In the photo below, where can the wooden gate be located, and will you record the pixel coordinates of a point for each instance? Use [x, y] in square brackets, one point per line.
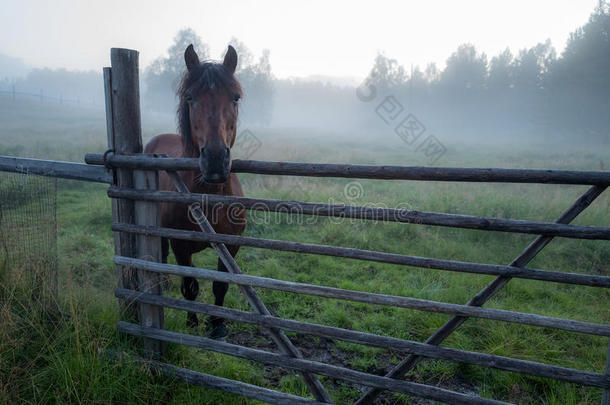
[134, 192]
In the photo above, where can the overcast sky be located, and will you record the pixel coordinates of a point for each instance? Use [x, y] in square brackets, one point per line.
[336, 38]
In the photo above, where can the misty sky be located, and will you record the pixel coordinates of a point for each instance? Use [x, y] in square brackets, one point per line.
[336, 38]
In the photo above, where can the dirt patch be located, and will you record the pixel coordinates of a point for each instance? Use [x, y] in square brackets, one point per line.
[327, 351]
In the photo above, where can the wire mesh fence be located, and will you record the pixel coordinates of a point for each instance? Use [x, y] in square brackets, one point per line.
[28, 236]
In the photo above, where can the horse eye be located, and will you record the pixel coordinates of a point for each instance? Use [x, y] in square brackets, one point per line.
[189, 98]
[236, 98]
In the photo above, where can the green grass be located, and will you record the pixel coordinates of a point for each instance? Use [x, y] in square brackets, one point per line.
[46, 362]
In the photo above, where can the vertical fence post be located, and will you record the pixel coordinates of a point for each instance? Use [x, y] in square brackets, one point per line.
[149, 248]
[121, 83]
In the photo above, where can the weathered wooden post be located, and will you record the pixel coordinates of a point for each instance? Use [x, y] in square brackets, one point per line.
[149, 248]
[122, 91]
[124, 130]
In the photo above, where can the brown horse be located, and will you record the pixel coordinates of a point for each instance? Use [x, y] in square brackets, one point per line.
[207, 113]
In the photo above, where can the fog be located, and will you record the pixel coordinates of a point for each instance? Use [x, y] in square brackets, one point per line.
[537, 93]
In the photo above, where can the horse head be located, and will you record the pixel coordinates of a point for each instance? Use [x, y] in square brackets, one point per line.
[207, 113]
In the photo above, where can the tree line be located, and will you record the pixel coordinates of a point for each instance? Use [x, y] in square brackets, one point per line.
[534, 92]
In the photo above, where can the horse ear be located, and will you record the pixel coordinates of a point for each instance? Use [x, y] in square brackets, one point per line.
[230, 60]
[191, 58]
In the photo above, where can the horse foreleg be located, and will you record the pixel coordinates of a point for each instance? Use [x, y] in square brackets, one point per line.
[220, 289]
[190, 285]
[166, 282]
[190, 290]
[164, 249]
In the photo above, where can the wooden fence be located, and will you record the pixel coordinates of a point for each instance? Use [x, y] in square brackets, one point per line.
[133, 180]
[41, 97]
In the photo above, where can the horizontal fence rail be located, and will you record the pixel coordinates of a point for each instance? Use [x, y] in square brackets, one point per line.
[54, 168]
[218, 383]
[369, 255]
[390, 343]
[357, 377]
[369, 298]
[491, 175]
[369, 213]
[40, 96]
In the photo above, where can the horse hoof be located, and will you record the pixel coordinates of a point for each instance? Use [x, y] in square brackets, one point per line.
[219, 332]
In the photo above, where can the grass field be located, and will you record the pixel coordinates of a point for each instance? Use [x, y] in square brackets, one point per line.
[60, 363]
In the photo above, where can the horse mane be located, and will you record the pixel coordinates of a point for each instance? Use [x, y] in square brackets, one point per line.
[207, 76]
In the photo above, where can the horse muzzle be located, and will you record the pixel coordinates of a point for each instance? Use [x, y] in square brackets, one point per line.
[215, 164]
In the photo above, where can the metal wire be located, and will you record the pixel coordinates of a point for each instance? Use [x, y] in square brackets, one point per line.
[28, 233]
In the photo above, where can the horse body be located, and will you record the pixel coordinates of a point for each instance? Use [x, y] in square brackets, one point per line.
[208, 117]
